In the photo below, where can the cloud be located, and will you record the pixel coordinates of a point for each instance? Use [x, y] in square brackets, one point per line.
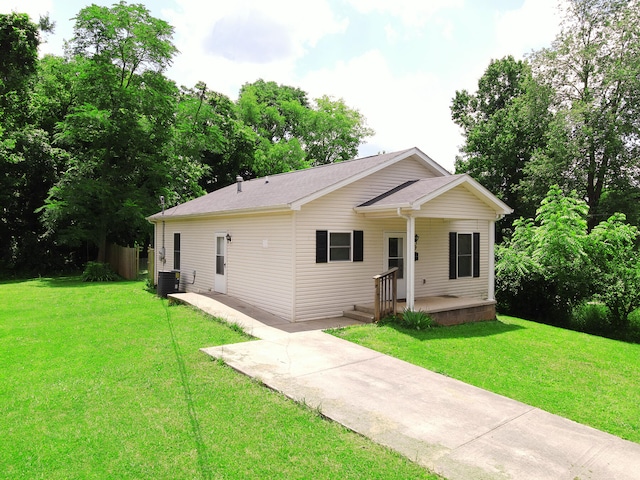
[249, 37]
[34, 8]
[531, 27]
[412, 13]
[229, 43]
[405, 110]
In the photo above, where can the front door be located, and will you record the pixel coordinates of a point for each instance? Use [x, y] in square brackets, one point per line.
[395, 255]
[220, 285]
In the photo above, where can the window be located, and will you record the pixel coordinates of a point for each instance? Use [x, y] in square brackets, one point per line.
[176, 251]
[464, 255]
[339, 246]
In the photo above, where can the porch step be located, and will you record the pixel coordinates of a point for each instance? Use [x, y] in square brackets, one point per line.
[357, 314]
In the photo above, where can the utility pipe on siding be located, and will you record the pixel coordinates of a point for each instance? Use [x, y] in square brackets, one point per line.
[411, 257]
[491, 291]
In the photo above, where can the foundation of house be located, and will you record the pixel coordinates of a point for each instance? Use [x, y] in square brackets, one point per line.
[449, 310]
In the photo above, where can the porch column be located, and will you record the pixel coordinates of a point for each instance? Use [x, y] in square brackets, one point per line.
[411, 261]
[491, 291]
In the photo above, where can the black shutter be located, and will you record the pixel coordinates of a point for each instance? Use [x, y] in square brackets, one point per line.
[322, 237]
[358, 245]
[453, 255]
[476, 254]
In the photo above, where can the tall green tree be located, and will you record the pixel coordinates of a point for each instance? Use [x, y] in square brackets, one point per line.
[209, 131]
[593, 68]
[334, 131]
[117, 130]
[29, 165]
[293, 132]
[504, 122]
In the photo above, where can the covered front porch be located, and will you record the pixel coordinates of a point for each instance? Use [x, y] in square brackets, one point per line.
[446, 267]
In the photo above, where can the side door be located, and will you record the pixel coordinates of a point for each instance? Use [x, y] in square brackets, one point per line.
[220, 282]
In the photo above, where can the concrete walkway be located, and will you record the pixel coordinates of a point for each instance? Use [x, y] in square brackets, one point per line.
[454, 429]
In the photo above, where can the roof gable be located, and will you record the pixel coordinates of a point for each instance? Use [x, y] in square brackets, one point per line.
[413, 195]
[289, 191]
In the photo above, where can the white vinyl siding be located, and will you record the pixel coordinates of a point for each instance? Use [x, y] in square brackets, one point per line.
[457, 203]
[259, 258]
[327, 289]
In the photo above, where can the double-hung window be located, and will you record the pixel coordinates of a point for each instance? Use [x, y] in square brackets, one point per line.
[339, 246]
[176, 251]
[464, 255]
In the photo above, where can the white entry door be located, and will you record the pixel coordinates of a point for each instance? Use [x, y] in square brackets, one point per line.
[220, 285]
[395, 247]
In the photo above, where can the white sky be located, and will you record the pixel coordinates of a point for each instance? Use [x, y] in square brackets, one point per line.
[399, 62]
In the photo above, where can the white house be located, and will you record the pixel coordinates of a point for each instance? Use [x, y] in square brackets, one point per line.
[306, 244]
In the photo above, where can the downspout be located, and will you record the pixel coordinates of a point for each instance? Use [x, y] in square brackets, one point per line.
[491, 291]
[411, 258]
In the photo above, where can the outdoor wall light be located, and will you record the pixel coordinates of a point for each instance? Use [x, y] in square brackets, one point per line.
[228, 238]
[417, 237]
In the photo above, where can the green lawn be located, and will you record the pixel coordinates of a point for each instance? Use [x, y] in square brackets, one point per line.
[106, 381]
[589, 379]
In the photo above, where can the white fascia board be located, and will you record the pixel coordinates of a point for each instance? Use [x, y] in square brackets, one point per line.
[226, 213]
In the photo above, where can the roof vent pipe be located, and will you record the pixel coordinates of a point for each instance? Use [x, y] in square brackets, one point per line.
[239, 180]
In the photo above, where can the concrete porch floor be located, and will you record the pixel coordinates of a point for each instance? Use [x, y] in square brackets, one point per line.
[443, 303]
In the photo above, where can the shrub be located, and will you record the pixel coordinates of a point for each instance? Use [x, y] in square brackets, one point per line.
[416, 319]
[590, 317]
[98, 272]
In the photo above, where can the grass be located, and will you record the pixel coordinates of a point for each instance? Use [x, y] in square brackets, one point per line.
[591, 380]
[106, 381]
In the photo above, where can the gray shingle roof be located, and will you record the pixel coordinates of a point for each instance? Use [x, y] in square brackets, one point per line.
[283, 190]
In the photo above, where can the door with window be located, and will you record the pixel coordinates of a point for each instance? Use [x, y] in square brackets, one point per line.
[220, 282]
[395, 256]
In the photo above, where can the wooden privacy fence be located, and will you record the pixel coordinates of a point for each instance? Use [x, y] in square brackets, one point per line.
[125, 261]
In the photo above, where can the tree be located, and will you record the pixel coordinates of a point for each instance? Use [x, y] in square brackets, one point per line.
[613, 251]
[334, 131]
[503, 123]
[117, 129]
[543, 271]
[29, 165]
[210, 132]
[293, 133]
[593, 68]
[550, 266]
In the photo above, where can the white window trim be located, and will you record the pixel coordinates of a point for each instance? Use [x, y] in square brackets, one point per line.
[331, 232]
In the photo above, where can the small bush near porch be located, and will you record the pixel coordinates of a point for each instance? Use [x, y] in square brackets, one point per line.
[591, 380]
[103, 380]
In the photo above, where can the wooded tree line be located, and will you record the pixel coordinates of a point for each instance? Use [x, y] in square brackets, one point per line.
[569, 115]
[91, 139]
[557, 137]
